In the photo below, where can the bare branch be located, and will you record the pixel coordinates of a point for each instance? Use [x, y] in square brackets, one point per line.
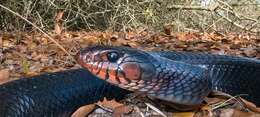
[35, 26]
[236, 24]
[189, 7]
[224, 7]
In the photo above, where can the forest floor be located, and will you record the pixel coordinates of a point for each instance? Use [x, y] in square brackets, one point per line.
[27, 54]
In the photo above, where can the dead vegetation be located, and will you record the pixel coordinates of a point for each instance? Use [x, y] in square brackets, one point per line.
[34, 54]
[212, 26]
[117, 15]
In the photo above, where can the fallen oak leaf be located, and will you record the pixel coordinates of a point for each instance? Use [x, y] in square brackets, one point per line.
[251, 106]
[84, 111]
[118, 108]
[112, 104]
[4, 75]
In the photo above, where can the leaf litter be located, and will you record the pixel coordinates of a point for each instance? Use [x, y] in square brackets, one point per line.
[30, 53]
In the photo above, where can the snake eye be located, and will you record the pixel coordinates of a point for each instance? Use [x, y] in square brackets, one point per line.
[112, 56]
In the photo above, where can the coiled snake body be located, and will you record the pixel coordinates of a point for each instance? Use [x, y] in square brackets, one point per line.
[54, 94]
[181, 78]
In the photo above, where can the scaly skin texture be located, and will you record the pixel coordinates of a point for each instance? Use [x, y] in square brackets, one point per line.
[233, 75]
[178, 83]
[182, 78]
[54, 94]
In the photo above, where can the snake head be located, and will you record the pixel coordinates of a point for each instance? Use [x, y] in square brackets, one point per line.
[126, 67]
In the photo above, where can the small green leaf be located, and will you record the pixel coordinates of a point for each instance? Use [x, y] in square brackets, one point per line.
[25, 66]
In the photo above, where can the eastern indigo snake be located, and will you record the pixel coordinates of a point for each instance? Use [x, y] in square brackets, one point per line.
[179, 77]
[182, 78]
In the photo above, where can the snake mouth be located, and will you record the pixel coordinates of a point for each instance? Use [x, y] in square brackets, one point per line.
[128, 69]
[126, 75]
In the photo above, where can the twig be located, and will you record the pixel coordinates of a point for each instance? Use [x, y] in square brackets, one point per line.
[236, 24]
[140, 112]
[35, 26]
[229, 9]
[226, 102]
[224, 3]
[189, 7]
[155, 109]
[105, 108]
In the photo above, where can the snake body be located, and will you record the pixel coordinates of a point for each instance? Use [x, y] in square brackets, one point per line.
[233, 75]
[181, 78]
[54, 94]
[178, 77]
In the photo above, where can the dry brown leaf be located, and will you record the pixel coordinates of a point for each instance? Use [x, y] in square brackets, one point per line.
[7, 43]
[211, 101]
[113, 38]
[181, 36]
[184, 114]
[44, 41]
[90, 39]
[84, 111]
[167, 29]
[4, 75]
[130, 35]
[143, 33]
[1, 42]
[119, 42]
[122, 110]
[112, 104]
[251, 106]
[235, 113]
[1, 49]
[30, 74]
[180, 44]
[250, 52]
[46, 57]
[58, 22]
[214, 36]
